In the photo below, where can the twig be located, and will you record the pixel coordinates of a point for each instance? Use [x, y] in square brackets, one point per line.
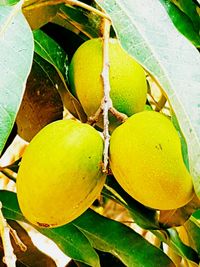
[107, 104]
[92, 120]
[118, 115]
[161, 103]
[9, 256]
[70, 2]
[17, 240]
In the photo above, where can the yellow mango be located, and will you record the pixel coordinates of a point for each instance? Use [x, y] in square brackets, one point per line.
[127, 79]
[60, 173]
[146, 160]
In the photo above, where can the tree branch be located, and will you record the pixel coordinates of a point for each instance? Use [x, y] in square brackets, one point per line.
[107, 102]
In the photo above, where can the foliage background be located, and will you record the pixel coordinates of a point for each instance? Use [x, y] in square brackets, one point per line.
[37, 40]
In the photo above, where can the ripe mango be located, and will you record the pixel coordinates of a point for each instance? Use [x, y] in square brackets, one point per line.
[146, 160]
[127, 79]
[60, 173]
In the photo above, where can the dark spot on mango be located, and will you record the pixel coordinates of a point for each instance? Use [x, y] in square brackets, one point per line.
[45, 225]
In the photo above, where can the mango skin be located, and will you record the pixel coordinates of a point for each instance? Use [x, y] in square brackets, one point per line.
[146, 160]
[60, 173]
[127, 79]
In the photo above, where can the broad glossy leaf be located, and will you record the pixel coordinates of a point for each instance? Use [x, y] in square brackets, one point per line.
[183, 250]
[10, 205]
[189, 7]
[113, 237]
[41, 103]
[182, 22]
[192, 227]
[72, 242]
[149, 36]
[69, 239]
[16, 54]
[48, 49]
[39, 16]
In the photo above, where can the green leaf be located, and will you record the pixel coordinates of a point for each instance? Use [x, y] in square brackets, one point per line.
[48, 49]
[183, 142]
[10, 205]
[68, 238]
[72, 242]
[16, 56]
[39, 16]
[190, 8]
[8, 2]
[113, 237]
[182, 22]
[183, 250]
[192, 227]
[155, 43]
[143, 216]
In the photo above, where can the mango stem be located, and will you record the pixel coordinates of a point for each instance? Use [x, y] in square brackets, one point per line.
[107, 102]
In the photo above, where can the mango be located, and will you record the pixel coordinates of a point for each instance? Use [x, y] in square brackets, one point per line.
[146, 160]
[127, 79]
[60, 173]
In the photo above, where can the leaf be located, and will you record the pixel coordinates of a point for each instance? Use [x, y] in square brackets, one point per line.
[32, 257]
[41, 103]
[192, 227]
[48, 49]
[121, 241]
[73, 243]
[190, 8]
[182, 22]
[85, 22]
[16, 44]
[68, 238]
[8, 2]
[185, 251]
[143, 216]
[149, 36]
[63, 22]
[39, 16]
[183, 141]
[10, 205]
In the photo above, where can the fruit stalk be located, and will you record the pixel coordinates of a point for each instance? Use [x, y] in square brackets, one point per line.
[107, 102]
